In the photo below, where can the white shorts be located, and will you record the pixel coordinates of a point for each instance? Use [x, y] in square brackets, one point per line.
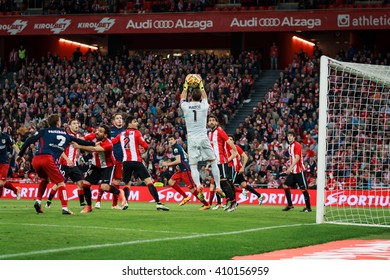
[200, 149]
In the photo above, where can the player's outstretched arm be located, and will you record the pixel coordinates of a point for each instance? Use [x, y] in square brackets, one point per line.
[183, 95]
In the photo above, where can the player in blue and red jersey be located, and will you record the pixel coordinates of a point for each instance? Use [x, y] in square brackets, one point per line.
[52, 142]
[6, 145]
[183, 173]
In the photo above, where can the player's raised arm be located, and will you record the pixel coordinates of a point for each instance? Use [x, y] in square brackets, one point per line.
[201, 87]
[183, 96]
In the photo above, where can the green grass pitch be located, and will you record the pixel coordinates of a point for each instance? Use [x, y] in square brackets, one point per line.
[142, 233]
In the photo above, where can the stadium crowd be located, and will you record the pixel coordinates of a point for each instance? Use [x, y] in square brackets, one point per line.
[17, 7]
[93, 87]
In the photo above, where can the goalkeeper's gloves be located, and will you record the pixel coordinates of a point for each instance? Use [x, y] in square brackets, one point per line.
[185, 85]
[201, 87]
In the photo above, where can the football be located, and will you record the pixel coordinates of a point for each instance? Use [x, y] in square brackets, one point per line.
[193, 80]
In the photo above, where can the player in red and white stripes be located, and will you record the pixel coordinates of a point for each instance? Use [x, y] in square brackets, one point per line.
[218, 138]
[295, 174]
[102, 167]
[130, 140]
[238, 169]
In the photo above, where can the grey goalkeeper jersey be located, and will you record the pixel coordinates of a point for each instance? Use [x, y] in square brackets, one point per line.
[195, 114]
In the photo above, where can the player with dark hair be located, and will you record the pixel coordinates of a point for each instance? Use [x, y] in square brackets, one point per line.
[69, 165]
[183, 173]
[52, 142]
[130, 140]
[219, 140]
[6, 144]
[238, 168]
[295, 174]
[116, 128]
[102, 167]
[199, 146]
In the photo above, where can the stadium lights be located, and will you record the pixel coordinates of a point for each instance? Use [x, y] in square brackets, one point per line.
[303, 40]
[77, 43]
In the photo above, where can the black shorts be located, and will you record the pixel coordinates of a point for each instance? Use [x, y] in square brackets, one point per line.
[74, 173]
[296, 179]
[136, 167]
[238, 178]
[96, 175]
[225, 171]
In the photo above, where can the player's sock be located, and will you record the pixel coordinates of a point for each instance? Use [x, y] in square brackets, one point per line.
[307, 199]
[1, 191]
[227, 189]
[195, 174]
[216, 174]
[288, 196]
[42, 188]
[177, 188]
[212, 194]
[87, 194]
[80, 194]
[153, 192]
[100, 194]
[252, 190]
[9, 186]
[63, 196]
[51, 195]
[126, 190]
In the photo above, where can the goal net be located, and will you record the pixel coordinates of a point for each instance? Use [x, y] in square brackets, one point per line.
[353, 144]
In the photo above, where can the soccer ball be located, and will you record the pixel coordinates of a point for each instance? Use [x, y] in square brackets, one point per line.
[193, 80]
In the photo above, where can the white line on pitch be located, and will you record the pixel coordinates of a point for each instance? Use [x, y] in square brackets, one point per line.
[92, 227]
[97, 246]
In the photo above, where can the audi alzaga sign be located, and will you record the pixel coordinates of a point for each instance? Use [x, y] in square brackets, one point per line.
[256, 21]
[309, 23]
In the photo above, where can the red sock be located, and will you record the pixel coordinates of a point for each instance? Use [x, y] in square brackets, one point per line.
[1, 191]
[80, 192]
[115, 197]
[52, 192]
[9, 186]
[177, 188]
[99, 197]
[63, 196]
[42, 188]
[212, 193]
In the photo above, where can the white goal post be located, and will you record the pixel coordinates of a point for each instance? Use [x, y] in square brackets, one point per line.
[353, 179]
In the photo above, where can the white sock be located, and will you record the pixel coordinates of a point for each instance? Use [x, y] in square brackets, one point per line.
[216, 174]
[195, 174]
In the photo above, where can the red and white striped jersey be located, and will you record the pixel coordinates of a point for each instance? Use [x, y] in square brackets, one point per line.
[296, 149]
[218, 138]
[102, 159]
[72, 153]
[130, 140]
[236, 162]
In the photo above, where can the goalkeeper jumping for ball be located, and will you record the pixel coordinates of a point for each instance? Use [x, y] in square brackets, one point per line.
[199, 146]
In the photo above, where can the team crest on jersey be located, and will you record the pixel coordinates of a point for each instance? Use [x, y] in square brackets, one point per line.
[3, 141]
[176, 150]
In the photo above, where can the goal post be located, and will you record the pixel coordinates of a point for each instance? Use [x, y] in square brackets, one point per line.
[353, 179]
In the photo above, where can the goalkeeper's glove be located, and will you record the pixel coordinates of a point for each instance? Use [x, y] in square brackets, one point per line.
[201, 87]
[185, 85]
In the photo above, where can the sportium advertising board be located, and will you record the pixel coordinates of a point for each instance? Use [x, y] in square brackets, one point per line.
[351, 198]
[257, 21]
